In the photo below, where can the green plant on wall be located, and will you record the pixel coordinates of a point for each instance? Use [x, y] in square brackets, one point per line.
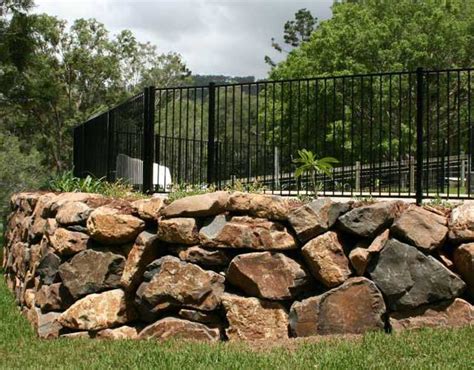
[308, 162]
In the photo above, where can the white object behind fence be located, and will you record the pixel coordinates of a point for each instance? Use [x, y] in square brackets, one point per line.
[131, 170]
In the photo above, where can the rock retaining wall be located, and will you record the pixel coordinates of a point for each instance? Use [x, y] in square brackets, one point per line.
[236, 266]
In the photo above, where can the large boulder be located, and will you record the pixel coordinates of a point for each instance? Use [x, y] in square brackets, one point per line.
[92, 271]
[461, 223]
[73, 213]
[178, 231]
[148, 209]
[246, 232]
[109, 226]
[361, 255]
[267, 275]
[367, 221]
[173, 283]
[316, 218]
[464, 264]
[203, 256]
[54, 297]
[144, 251]
[355, 307]
[47, 325]
[171, 327]
[209, 204]
[254, 319]
[409, 279]
[442, 315]
[66, 243]
[326, 259]
[272, 207]
[98, 311]
[423, 229]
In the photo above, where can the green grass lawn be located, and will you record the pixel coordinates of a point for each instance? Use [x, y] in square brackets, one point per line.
[423, 349]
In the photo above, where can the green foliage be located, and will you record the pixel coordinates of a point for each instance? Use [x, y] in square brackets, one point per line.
[67, 182]
[20, 169]
[374, 36]
[308, 163]
[66, 74]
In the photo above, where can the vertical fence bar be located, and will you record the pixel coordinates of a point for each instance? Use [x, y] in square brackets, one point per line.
[110, 146]
[211, 157]
[419, 135]
[148, 138]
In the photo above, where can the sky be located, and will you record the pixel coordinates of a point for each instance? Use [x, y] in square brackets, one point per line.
[229, 37]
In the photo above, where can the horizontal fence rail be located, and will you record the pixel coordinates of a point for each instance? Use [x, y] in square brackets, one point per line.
[395, 134]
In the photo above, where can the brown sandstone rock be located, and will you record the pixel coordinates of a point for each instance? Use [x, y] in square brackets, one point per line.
[148, 209]
[41, 209]
[267, 275]
[108, 226]
[421, 228]
[54, 297]
[91, 271]
[246, 232]
[78, 335]
[67, 243]
[203, 257]
[197, 205]
[326, 259]
[172, 282]
[361, 255]
[254, 319]
[445, 315]
[355, 307]
[171, 327]
[73, 213]
[29, 297]
[53, 206]
[461, 223]
[98, 311]
[144, 251]
[178, 231]
[316, 217]
[272, 207]
[50, 227]
[122, 332]
[368, 221]
[464, 264]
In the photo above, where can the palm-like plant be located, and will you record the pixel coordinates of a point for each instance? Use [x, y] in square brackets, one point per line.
[309, 163]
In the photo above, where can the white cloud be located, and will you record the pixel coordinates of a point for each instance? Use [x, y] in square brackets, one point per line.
[214, 37]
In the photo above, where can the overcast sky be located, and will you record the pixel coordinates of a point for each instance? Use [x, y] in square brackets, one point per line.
[214, 37]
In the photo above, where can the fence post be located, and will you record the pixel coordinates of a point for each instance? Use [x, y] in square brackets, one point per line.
[148, 138]
[110, 146]
[419, 135]
[357, 176]
[211, 155]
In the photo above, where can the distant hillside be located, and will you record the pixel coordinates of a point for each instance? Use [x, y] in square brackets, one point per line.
[201, 80]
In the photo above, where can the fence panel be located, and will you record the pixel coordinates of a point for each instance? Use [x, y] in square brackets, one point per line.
[250, 133]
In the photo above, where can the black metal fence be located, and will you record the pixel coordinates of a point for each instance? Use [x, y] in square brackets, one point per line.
[397, 134]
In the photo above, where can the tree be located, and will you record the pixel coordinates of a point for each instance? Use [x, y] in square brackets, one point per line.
[374, 36]
[295, 32]
[72, 74]
[20, 169]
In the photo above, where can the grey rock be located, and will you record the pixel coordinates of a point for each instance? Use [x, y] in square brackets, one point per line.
[48, 268]
[368, 221]
[316, 217]
[409, 279]
[91, 271]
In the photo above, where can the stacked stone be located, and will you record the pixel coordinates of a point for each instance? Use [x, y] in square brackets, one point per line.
[236, 266]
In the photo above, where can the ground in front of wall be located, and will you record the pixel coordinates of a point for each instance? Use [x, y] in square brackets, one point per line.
[442, 348]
